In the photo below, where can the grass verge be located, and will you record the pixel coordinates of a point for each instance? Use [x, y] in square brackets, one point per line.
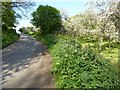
[8, 37]
[52, 42]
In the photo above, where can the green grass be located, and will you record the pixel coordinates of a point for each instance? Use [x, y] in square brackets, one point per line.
[9, 37]
[71, 64]
[108, 53]
[111, 53]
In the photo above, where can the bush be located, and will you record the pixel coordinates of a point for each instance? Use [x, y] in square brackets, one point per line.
[75, 66]
[48, 39]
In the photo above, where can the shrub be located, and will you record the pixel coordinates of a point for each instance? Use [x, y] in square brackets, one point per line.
[48, 39]
[75, 66]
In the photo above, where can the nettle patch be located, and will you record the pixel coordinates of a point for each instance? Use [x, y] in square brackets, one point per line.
[80, 67]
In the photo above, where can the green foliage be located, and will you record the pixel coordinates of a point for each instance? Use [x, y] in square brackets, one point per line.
[22, 30]
[8, 22]
[47, 18]
[8, 14]
[48, 39]
[12, 10]
[9, 37]
[26, 30]
[75, 66]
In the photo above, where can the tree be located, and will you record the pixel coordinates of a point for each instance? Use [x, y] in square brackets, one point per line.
[47, 18]
[108, 19]
[23, 8]
[8, 16]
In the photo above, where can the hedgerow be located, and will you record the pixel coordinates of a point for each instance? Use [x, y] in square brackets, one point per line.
[75, 66]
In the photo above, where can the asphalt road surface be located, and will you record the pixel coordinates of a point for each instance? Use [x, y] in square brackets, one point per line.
[26, 64]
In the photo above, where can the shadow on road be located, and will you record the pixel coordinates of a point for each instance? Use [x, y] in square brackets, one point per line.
[20, 56]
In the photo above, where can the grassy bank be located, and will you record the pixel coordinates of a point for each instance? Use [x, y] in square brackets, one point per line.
[68, 67]
[9, 37]
[108, 53]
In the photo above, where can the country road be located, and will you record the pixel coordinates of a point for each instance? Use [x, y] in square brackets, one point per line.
[26, 64]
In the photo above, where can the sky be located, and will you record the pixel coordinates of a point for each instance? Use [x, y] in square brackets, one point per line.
[72, 7]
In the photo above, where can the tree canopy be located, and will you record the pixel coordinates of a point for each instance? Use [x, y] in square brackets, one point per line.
[8, 16]
[47, 18]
